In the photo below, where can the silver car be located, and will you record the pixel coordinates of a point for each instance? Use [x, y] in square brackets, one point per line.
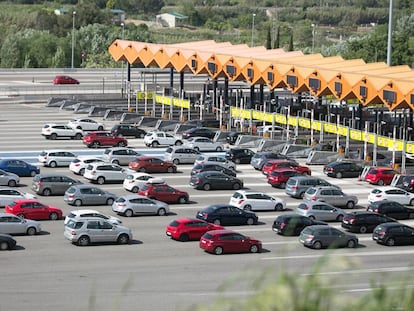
[8, 195]
[320, 211]
[181, 154]
[94, 230]
[9, 179]
[52, 184]
[101, 172]
[11, 224]
[331, 195]
[54, 158]
[214, 159]
[120, 155]
[88, 195]
[90, 213]
[134, 204]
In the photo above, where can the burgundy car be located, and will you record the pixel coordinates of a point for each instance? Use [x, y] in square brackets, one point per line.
[150, 164]
[272, 165]
[279, 177]
[163, 192]
[186, 229]
[97, 139]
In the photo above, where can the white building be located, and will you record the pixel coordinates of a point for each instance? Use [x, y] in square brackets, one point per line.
[170, 20]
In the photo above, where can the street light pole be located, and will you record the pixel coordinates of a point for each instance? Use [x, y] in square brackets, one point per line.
[73, 38]
[253, 16]
[122, 77]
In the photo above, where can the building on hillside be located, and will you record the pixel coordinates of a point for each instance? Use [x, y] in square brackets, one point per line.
[61, 11]
[170, 20]
[118, 16]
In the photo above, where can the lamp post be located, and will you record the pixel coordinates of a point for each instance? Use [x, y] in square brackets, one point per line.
[253, 16]
[313, 37]
[73, 37]
[122, 76]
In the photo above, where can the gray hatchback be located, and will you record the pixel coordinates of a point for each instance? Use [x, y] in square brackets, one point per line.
[331, 195]
[321, 236]
[84, 194]
[52, 184]
[296, 186]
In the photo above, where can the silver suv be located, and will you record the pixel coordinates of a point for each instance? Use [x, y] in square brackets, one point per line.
[54, 131]
[95, 230]
[52, 184]
[296, 186]
[331, 195]
[155, 139]
[120, 155]
[181, 154]
[54, 158]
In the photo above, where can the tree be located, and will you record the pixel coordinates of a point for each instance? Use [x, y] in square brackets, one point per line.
[276, 44]
[268, 39]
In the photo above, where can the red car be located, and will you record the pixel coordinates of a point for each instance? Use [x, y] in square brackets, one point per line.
[33, 209]
[152, 165]
[187, 229]
[272, 165]
[280, 176]
[163, 192]
[103, 138]
[380, 175]
[65, 80]
[228, 241]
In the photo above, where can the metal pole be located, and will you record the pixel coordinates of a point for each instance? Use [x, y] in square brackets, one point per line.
[73, 39]
[389, 45]
[394, 137]
[311, 124]
[366, 140]
[374, 156]
[122, 76]
[287, 124]
[338, 120]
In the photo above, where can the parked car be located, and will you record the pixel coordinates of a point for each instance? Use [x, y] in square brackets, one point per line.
[228, 241]
[408, 183]
[79, 164]
[52, 184]
[391, 209]
[215, 159]
[33, 209]
[232, 136]
[101, 172]
[296, 186]
[80, 195]
[19, 167]
[134, 204]
[321, 236]
[198, 168]
[164, 193]
[120, 155]
[7, 242]
[342, 169]
[134, 181]
[320, 211]
[9, 179]
[393, 233]
[181, 154]
[54, 158]
[198, 132]
[54, 131]
[86, 124]
[102, 138]
[239, 155]
[331, 195]
[293, 224]
[380, 175]
[275, 130]
[203, 144]
[189, 229]
[272, 165]
[11, 224]
[252, 200]
[62, 79]
[152, 164]
[363, 222]
[392, 194]
[260, 158]
[128, 130]
[215, 180]
[159, 138]
[225, 214]
[89, 213]
[8, 195]
[279, 177]
[92, 230]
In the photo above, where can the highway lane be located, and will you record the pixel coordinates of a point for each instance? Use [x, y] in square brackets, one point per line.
[154, 271]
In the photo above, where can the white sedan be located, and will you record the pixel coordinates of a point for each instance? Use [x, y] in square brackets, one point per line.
[392, 194]
[134, 181]
[203, 144]
[86, 124]
[214, 159]
[79, 164]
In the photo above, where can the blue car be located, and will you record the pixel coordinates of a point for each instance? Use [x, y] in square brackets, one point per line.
[19, 167]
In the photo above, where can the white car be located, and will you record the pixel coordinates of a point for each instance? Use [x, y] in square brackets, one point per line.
[203, 144]
[155, 139]
[214, 159]
[55, 131]
[8, 195]
[86, 124]
[79, 164]
[54, 158]
[392, 194]
[255, 200]
[134, 181]
[101, 172]
[89, 213]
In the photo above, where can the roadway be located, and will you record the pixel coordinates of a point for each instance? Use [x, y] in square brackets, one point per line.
[154, 272]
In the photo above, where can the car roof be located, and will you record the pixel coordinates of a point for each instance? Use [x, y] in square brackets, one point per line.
[385, 188]
[221, 231]
[86, 186]
[84, 211]
[132, 196]
[250, 191]
[53, 175]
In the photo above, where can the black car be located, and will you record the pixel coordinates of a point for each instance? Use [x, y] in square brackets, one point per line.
[232, 136]
[260, 158]
[391, 209]
[128, 130]
[215, 180]
[198, 132]
[408, 183]
[342, 169]
[239, 155]
[7, 242]
[363, 222]
[198, 168]
[293, 224]
[393, 233]
[224, 214]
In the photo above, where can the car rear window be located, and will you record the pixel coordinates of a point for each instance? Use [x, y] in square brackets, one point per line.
[373, 171]
[43, 153]
[208, 236]
[120, 200]
[311, 191]
[71, 190]
[144, 187]
[169, 150]
[174, 223]
[237, 195]
[303, 206]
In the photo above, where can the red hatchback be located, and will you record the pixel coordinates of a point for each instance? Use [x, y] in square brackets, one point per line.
[33, 209]
[65, 80]
[227, 241]
[103, 138]
[150, 164]
[163, 192]
[279, 177]
[187, 229]
[272, 165]
[380, 175]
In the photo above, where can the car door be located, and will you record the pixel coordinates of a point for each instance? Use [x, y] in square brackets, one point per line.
[396, 211]
[337, 197]
[114, 172]
[8, 225]
[399, 195]
[226, 215]
[41, 210]
[107, 231]
[63, 183]
[337, 237]
[407, 236]
[318, 212]
[8, 195]
[94, 231]
[237, 243]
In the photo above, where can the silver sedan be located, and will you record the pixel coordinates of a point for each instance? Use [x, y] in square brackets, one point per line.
[11, 224]
[134, 204]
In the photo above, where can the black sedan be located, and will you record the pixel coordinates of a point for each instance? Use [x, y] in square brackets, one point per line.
[198, 168]
[128, 130]
[215, 180]
[293, 224]
[391, 209]
[393, 233]
[7, 242]
[198, 132]
[342, 169]
[363, 222]
[224, 214]
[239, 155]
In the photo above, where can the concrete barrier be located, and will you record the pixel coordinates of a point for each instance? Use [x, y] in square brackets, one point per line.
[323, 157]
[163, 124]
[82, 107]
[270, 144]
[296, 151]
[147, 121]
[220, 136]
[68, 104]
[111, 114]
[55, 101]
[179, 128]
[97, 111]
[128, 117]
[248, 140]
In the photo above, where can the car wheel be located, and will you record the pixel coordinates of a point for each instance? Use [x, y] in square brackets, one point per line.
[110, 201]
[219, 149]
[4, 246]
[282, 185]
[95, 144]
[254, 249]
[279, 207]
[236, 186]
[176, 161]
[100, 128]
[53, 216]
[363, 229]
[155, 144]
[250, 221]
[217, 222]
[121, 144]
[178, 143]
[339, 217]
[311, 217]
[83, 241]
[390, 242]
[135, 189]
[78, 136]
[100, 180]
[53, 164]
[412, 202]
[77, 202]
[53, 136]
[170, 169]
[115, 162]
[12, 183]
[31, 231]
[128, 213]
[317, 245]
[207, 187]
[237, 161]
[143, 169]
[380, 182]
[123, 239]
[81, 171]
[184, 237]
[162, 212]
[247, 207]
[338, 175]
[350, 204]
[351, 244]
[301, 195]
[218, 250]
[182, 200]
[141, 135]
[46, 192]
